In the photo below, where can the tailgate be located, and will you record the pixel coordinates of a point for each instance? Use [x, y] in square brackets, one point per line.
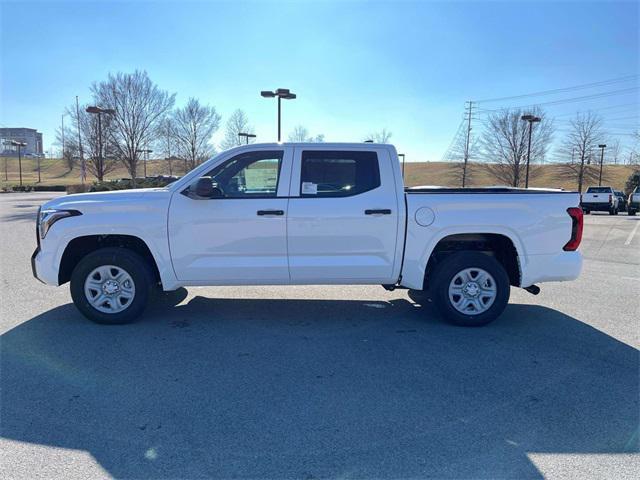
[595, 197]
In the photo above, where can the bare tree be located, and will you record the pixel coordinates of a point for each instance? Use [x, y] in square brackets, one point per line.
[238, 123]
[139, 106]
[195, 125]
[614, 150]
[166, 140]
[462, 171]
[382, 136]
[71, 151]
[301, 134]
[584, 135]
[505, 140]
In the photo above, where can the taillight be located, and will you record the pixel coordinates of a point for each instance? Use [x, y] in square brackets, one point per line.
[610, 198]
[577, 222]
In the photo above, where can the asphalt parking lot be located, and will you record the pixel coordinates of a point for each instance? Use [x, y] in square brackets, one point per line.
[316, 382]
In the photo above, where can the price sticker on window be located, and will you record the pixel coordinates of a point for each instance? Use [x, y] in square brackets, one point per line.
[309, 188]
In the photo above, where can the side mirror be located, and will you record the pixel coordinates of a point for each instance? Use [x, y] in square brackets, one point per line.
[204, 187]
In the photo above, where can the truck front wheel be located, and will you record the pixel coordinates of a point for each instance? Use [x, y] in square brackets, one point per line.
[111, 285]
[470, 288]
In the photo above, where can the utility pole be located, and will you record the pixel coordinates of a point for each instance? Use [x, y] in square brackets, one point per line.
[468, 111]
[83, 172]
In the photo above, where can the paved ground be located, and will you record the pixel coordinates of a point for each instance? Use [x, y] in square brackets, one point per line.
[313, 382]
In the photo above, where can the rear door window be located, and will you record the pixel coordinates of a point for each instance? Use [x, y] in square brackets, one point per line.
[338, 173]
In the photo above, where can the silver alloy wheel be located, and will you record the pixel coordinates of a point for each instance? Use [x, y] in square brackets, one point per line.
[472, 291]
[109, 289]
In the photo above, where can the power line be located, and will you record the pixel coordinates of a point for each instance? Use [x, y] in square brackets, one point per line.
[560, 90]
[623, 91]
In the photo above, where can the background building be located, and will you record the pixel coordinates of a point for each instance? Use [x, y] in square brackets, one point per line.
[30, 136]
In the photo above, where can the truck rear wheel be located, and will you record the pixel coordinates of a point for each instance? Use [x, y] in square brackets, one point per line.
[470, 288]
[111, 286]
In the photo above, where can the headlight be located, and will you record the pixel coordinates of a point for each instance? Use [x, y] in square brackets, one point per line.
[49, 216]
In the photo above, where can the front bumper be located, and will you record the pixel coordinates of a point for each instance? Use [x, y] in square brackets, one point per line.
[33, 264]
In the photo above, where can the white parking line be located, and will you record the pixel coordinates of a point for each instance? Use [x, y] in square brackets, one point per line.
[632, 233]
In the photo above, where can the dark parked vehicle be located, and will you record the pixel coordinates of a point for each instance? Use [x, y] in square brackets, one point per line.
[622, 201]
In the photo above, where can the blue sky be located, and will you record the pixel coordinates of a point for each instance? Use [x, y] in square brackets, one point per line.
[356, 66]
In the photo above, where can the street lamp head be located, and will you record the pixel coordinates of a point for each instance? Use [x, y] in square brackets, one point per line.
[248, 135]
[288, 96]
[282, 91]
[18, 144]
[530, 118]
[602, 145]
[94, 109]
[267, 93]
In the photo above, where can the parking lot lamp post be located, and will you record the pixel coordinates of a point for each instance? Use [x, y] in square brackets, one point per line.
[99, 111]
[19, 145]
[247, 136]
[280, 93]
[531, 119]
[145, 157]
[602, 146]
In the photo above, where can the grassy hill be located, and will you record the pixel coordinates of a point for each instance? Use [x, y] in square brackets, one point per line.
[55, 172]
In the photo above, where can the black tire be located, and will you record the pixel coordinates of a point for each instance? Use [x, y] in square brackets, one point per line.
[137, 268]
[612, 211]
[587, 212]
[631, 213]
[444, 274]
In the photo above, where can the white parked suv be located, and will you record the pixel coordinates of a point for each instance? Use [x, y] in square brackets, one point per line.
[318, 213]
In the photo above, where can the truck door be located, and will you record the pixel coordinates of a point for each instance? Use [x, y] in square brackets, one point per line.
[342, 222]
[239, 237]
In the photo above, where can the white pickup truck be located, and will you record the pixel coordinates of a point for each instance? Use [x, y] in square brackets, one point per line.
[600, 199]
[318, 213]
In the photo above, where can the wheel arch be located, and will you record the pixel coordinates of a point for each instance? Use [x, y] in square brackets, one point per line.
[79, 247]
[501, 246]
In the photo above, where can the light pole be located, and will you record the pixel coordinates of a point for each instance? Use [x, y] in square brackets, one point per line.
[247, 136]
[280, 93]
[99, 111]
[602, 146]
[19, 145]
[531, 119]
[146, 152]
